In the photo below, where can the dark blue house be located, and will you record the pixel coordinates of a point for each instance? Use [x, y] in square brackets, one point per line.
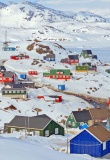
[95, 141]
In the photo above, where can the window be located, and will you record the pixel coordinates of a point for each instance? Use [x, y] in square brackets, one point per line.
[18, 91]
[56, 130]
[53, 76]
[63, 76]
[47, 133]
[104, 145]
[10, 91]
[69, 122]
[22, 91]
[71, 116]
[73, 123]
[0, 78]
[6, 91]
[14, 91]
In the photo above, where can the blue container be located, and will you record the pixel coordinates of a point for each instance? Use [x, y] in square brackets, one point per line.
[61, 87]
[23, 76]
[44, 58]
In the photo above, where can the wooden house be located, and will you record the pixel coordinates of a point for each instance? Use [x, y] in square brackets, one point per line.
[81, 69]
[86, 54]
[49, 57]
[63, 74]
[8, 76]
[9, 48]
[99, 114]
[32, 72]
[78, 118]
[19, 57]
[14, 91]
[73, 59]
[26, 83]
[92, 69]
[94, 141]
[40, 125]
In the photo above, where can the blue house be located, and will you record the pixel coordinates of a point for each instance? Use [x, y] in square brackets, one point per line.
[49, 57]
[95, 141]
[8, 48]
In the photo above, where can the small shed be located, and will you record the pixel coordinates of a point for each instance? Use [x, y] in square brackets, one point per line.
[61, 87]
[95, 141]
[23, 76]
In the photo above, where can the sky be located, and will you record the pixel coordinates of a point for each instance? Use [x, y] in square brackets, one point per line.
[72, 5]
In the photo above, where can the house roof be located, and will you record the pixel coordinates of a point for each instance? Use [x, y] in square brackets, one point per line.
[2, 68]
[99, 113]
[38, 122]
[87, 63]
[99, 132]
[18, 85]
[73, 57]
[82, 116]
[87, 52]
[50, 56]
[8, 74]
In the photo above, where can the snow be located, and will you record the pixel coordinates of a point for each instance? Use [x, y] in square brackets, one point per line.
[74, 31]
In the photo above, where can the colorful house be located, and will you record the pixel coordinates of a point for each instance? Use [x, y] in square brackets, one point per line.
[40, 125]
[99, 114]
[9, 49]
[81, 69]
[8, 76]
[71, 59]
[49, 57]
[14, 91]
[86, 54]
[78, 118]
[19, 57]
[63, 74]
[32, 72]
[94, 141]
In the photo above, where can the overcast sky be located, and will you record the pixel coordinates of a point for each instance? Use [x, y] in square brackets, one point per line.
[72, 5]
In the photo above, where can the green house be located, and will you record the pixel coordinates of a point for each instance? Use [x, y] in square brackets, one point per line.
[108, 71]
[40, 125]
[77, 118]
[86, 54]
[81, 68]
[58, 74]
[46, 74]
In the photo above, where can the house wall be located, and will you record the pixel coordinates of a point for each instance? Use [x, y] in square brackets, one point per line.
[22, 96]
[51, 127]
[71, 122]
[107, 150]
[85, 143]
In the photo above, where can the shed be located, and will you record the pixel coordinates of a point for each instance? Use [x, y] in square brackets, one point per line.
[95, 141]
[9, 48]
[23, 76]
[61, 87]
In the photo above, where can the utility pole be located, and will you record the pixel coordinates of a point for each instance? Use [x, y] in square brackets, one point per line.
[25, 124]
[67, 141]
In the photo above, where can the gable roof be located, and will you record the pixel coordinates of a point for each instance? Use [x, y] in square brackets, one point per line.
[99, 132]
[82, 116]
[86, 63]
[73, 57]
[87, 52]
[8, 74]
[38, 122]
[99, 113]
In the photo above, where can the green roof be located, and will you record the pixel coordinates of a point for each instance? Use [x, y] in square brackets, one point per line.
[65, 71]
[83, 68]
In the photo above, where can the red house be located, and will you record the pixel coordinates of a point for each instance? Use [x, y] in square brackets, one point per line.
[20, 56]
[73, 59]
[8, 76]
[52, 98]
[32, 73]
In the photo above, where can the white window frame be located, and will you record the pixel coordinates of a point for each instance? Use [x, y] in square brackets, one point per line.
[10, 91]
[56, 130]
[14, 91]
[73, 123]
[6, 91]
[104, 145]
[69, 122]
[46, 133]
[18, 91]
[22, 91]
